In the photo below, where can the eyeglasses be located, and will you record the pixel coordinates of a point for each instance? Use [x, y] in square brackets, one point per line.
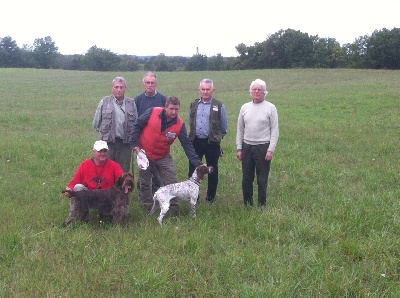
[257, 90]
[149, 83]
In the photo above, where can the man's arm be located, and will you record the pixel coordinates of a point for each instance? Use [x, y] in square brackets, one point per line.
[138, 127]
[224, 120]
[97, 116]
[188, 147]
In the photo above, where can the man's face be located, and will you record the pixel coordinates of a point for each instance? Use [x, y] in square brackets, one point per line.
[172, 112]
[206, 91]
[150, 84]
[257, 92]
[101, 156]
[118, 90]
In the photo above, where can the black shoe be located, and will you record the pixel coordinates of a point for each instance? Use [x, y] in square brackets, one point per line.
[210, 200]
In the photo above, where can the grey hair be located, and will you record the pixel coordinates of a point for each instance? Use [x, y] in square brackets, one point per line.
[207, 81]
[120, 80]
[149, 74]
[261, 83]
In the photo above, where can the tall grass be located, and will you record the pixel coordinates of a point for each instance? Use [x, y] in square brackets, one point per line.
[331, 229]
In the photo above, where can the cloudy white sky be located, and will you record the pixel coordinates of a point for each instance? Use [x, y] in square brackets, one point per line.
[179, 27]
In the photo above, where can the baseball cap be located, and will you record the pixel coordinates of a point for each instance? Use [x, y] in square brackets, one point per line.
[100, 145]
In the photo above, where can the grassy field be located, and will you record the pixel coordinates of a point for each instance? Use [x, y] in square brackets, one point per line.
[331, 229]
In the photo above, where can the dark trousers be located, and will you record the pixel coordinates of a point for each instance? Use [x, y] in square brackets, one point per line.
[120, 153]
[253, 162]
[211, 153]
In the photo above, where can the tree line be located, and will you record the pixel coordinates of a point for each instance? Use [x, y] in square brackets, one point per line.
[284, 49]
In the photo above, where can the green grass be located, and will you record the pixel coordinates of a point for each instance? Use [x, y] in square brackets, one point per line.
[331, 229]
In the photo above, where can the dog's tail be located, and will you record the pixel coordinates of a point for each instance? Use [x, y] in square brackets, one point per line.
[153, 209]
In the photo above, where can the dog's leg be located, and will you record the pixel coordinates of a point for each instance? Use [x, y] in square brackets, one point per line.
[193, 202]
[120, 213]
[164, 209]
[76, 212]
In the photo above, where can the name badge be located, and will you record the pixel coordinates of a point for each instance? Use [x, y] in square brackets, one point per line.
[171, 135]
[215, 108]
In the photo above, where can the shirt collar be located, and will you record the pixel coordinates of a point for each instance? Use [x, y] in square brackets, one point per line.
[119, 102]
[205, 102]
[152, 95]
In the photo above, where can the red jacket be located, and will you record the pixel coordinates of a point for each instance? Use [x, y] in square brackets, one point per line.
[155, 142]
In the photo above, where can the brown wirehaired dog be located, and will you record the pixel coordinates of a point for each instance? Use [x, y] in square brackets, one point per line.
[112, 203]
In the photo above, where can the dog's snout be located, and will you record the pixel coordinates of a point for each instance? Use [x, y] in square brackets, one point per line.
[210, 169]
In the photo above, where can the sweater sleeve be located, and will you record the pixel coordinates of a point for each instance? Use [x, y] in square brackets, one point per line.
[240, 130]
[274, 126]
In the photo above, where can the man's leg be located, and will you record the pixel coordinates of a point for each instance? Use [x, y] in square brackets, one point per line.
[248, 168]
[123, 155]
[262, 171]
[145, 193]
[198, 145]
[212, 158]
[168, 174]
[156, 182]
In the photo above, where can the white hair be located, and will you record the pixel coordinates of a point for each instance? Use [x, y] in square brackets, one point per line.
[261, 83]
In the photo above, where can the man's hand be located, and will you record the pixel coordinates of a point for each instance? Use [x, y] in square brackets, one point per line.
[269, 155]
[239, 154]
[67, 194]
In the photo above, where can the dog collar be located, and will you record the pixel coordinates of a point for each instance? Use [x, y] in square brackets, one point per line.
[197, 182]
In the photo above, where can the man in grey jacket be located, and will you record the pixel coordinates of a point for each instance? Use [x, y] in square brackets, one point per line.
[113, 120]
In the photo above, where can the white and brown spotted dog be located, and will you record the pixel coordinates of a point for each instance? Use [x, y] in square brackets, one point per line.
[187, 191]
[112, 204]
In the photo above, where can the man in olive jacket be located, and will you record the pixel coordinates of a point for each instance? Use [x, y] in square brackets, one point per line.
[113, 120]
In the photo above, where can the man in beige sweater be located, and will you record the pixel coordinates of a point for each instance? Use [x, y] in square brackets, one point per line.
[256, 138]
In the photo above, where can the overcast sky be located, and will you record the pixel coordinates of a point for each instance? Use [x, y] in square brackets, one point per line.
[179, 27]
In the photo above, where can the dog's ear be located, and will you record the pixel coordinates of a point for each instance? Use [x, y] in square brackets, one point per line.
[201, 170]
[120, 180]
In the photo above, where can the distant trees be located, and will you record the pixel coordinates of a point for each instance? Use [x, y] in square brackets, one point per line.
[45, 52]
[10, 54]
[292, 49]
[159, 63]
[196, 63]
[383, 49]
[98, 59]
[284, 49]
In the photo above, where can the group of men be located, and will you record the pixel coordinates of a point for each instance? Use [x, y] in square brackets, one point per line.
[151, 122]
